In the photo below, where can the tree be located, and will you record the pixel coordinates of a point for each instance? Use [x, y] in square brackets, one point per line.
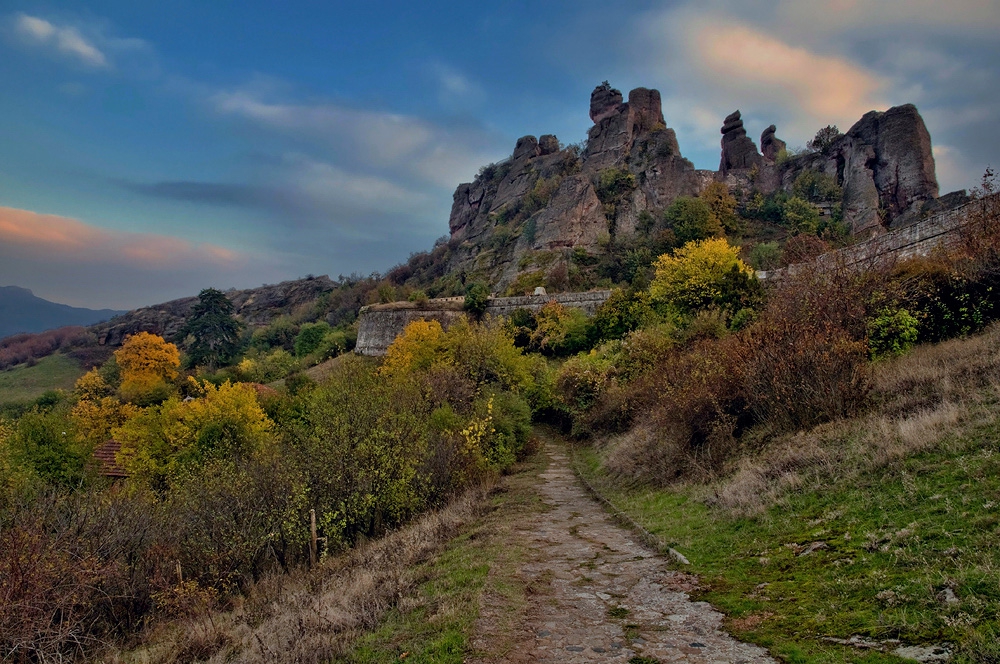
[691, 219]
[148, 365]
[824, 138]
[310, 337]
[723, 206]
[216, 333]
[697, 275]
[477, 297]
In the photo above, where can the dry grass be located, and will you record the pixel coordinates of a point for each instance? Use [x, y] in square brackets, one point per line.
[921, 402]
[313, 616]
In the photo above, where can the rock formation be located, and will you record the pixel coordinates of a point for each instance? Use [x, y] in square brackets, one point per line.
[738, 149]
[770, 145]
[884, 164]
[544, 200]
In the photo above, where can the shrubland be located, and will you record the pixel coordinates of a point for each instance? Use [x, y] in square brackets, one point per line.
[223, 479]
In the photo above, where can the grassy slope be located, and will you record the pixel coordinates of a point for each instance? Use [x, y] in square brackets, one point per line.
[904, 503]
[24, 384]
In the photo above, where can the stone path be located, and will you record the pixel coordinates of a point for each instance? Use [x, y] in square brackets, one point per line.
[596, 594]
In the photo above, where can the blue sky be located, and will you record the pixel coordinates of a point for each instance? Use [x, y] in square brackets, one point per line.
[151, 149]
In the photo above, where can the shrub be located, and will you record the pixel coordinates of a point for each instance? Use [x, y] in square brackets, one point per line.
[477, 297]
[765, 256]
[691, 219]
[559, 330]
[310, 337]
[891, 333]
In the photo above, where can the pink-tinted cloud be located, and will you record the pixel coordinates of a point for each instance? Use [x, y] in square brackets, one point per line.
[57, 236]
[67, 260]
[748, 60]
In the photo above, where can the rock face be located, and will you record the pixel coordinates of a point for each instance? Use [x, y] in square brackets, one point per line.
[604, 101]
[885, 166]
[738, 149]
[770, 145]
[627, 136]
[254, 306]
[545, 201]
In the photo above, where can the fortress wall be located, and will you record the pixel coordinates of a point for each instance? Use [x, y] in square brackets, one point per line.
[380, 324]
[918, 239]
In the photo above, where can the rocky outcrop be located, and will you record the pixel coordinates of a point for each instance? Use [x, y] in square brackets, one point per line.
[738, 149]
[770, 145]
[253, 306]
[885, 166]
[544, 199]
[604, 102]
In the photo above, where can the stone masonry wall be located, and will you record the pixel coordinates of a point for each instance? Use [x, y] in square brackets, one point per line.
[918, 239]
[380, 324]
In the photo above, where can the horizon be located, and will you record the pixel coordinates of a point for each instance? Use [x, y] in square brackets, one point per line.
[154, 152]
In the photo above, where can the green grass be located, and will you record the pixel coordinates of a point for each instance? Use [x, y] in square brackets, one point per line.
[24, 384]
[892, 543]
[481, 561]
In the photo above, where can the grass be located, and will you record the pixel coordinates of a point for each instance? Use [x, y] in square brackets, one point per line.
[23, 384]
[476, 574]
[885, 527]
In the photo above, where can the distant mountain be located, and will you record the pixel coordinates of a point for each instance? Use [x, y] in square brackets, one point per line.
[22, 311]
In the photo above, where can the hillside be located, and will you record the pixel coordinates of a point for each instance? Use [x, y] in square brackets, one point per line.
[22, 311]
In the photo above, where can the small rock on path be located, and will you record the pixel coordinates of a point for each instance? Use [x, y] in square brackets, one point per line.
[596, 594]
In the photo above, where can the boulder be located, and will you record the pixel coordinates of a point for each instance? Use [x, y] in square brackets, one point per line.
[526, 148]
[548, 144]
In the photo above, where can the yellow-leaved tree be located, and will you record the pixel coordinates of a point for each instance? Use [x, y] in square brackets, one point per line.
[226, 422]
[699, 275]
[148, 366]
[416, 349]
[98, 410]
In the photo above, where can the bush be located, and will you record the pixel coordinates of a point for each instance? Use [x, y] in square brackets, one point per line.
[310, 337]
[477, 297]
[698, 275]
[691, 219]
[891, 333]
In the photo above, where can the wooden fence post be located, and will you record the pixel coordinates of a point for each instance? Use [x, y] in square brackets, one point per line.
[312, 541]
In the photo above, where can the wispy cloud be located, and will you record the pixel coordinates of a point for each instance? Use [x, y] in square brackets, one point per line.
[63, 237]
[403, 144]
[78, 263]
[88, 44]
[67, 40]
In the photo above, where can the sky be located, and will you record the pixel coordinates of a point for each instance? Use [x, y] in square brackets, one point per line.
[152, 149]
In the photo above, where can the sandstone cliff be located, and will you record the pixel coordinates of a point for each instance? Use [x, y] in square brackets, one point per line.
[531, 210]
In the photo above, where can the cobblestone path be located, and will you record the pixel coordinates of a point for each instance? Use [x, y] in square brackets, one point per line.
[596, 594]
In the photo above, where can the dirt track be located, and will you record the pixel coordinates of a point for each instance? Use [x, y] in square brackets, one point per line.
[596, 594]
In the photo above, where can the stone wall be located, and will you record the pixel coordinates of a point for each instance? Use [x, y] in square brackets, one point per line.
[918, 239]
[380, 324]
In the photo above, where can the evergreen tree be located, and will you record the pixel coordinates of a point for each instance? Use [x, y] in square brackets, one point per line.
[216, 333]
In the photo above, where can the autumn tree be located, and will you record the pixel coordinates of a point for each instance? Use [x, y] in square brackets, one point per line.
[148, 365]
[722, 205]
[698, 275]
[215, 332]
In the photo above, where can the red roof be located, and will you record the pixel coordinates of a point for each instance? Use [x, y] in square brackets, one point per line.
[105, 456]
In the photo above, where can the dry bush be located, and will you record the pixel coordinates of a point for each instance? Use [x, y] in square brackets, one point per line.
[922, 401]
[313, 616]
[20, 348]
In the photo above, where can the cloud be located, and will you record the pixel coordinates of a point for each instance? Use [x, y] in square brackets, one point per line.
[87, 44]
[770, 69]
[406, 145]
[66, 40]
[82, 264]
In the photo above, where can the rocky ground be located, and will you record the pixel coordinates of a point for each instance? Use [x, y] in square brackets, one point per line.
[595, 593]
